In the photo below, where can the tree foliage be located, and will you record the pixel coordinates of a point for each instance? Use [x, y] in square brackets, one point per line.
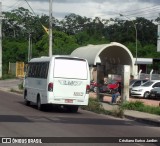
[71, 32]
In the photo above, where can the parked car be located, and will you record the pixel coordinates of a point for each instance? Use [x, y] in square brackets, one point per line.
[144, 89]
[155, 93]
[136, 83]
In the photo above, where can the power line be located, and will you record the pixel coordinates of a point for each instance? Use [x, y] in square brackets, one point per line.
[143, 11]
[10, 7]
[33, 12]
[16, 4]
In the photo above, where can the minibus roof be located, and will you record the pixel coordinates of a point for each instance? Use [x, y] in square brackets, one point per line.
[47, 58]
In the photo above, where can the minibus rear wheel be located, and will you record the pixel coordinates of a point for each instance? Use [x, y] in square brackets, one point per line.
[39, 105]
[73, 108]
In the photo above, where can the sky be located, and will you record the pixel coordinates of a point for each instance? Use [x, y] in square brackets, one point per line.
[104, 9]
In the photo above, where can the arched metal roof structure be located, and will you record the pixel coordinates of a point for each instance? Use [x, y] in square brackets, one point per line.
[113, 53]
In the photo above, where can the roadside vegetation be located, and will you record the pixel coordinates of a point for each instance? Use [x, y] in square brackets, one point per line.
[140, 106]
[72, 32]
[7, 76]
[20, 86]
[96, 106]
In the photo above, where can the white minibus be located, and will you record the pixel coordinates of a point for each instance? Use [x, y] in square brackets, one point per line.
[58, 80]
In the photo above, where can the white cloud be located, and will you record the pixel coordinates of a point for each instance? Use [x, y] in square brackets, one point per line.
[90, 8]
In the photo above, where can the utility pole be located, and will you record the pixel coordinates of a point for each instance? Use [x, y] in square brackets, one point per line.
[158, 39]
[50, 28]
[1, 17]
[29, 47]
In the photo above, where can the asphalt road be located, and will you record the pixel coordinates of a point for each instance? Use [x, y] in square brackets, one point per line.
[18, 120]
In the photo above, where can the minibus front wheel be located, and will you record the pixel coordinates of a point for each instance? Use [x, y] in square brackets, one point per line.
[26, 102]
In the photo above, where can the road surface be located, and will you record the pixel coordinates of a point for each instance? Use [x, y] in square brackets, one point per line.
[18, 120]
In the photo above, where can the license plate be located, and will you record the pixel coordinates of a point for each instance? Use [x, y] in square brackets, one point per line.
[68, 100]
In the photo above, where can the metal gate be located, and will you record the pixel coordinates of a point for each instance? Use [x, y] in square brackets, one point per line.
[20, 69]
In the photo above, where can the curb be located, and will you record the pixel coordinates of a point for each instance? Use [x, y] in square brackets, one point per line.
[143, 120]
[12, 92]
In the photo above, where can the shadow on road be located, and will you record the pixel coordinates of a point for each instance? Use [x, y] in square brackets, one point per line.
[13, 118]
[59, 115]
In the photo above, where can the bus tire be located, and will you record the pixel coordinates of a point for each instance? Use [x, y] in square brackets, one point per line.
[39, 105]
[146, 94]
[73, 108]
[26, 102]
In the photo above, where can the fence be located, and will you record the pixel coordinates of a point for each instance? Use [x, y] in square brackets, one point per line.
[148, 76]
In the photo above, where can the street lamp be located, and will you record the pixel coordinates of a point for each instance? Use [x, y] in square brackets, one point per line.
[135, 31]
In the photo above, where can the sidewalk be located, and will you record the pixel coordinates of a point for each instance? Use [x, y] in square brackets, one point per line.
[10, 84]
[146, 118]
[136, 115]
[7, 85]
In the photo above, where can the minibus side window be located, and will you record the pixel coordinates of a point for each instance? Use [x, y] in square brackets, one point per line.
[38, 70]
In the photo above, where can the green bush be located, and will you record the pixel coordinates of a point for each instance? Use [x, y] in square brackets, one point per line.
[94, 105]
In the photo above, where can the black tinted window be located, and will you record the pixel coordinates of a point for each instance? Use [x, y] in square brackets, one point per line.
[38, 70]
[137, 83]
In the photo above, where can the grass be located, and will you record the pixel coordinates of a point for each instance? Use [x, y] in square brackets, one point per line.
[95, 105]
[20, 86]
[140, 106]
[7, 76]
[17, 91]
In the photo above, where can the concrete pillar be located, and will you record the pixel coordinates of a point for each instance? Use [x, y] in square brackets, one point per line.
[158, 38]
[125, 83]
[91, 72]
[136, 72]
[100, 79]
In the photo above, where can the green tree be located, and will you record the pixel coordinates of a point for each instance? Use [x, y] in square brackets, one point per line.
[62, 44]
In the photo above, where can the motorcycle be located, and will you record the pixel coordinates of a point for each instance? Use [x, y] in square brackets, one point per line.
[103, 88]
